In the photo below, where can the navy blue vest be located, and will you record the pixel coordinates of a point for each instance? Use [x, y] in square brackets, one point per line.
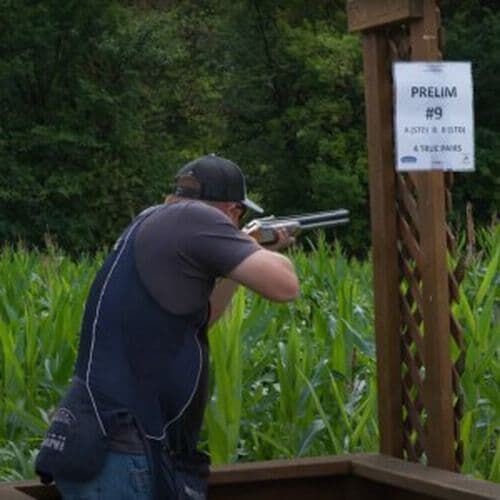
[134, 354]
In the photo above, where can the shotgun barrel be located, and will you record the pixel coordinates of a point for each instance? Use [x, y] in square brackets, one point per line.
[264, 230]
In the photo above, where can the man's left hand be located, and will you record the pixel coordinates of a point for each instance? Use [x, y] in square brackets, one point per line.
[283, 240]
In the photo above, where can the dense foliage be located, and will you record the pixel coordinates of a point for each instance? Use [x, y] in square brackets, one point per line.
[473, 34]
[288, 380]
[102, 100]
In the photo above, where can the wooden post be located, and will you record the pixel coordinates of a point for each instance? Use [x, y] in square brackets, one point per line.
[438, 391]
[426, 317]
[378, 96]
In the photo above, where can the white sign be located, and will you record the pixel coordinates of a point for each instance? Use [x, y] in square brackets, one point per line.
[434, 124]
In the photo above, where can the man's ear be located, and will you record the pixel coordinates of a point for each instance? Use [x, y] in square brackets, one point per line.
[232, 211]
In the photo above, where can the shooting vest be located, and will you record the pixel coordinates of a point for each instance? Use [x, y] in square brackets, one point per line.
[138, 354]
[138, 358]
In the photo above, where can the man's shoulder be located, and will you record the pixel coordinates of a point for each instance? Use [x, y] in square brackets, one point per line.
[183, 219]
[197, 211]
[149, 210]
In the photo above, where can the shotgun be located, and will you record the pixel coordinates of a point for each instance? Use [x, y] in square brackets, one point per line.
[263, 230]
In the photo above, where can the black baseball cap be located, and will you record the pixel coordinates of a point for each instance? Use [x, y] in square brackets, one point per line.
[213, 178]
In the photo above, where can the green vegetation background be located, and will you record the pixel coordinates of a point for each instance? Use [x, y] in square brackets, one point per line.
[288, 380]
[102, 100]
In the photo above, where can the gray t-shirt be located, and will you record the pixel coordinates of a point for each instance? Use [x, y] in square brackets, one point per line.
[182, 248]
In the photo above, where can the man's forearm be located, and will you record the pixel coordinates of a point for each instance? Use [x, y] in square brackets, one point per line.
[221, 298]
[285, 262]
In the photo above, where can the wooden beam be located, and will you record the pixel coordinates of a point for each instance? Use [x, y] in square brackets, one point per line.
[378, 96]
[369, 14]
[343, 477]
[438, 388]
[281, 469]
[428, 481]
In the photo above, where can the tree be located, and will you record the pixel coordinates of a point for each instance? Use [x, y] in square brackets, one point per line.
[293, 99]
[99, 106]
[103, 100]
[473, 34]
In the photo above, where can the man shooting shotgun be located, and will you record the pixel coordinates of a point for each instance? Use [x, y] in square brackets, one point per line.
[129, 423]
[265, 230]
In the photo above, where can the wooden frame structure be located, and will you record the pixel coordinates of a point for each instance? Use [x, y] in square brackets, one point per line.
[420, 404]
[345, 477]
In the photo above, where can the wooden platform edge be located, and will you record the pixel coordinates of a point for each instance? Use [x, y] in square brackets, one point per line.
[281, 469]
[27, 489]
[241, 473]
[377, 468]
[423, 479]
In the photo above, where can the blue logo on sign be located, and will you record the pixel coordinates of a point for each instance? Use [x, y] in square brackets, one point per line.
[408, 159]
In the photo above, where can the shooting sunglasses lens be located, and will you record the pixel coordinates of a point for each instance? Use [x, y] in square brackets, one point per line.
[243, 210]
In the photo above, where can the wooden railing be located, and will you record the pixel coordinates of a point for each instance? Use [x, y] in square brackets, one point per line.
[343, 477]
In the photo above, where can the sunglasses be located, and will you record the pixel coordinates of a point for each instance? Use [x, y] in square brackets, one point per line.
[242, 208]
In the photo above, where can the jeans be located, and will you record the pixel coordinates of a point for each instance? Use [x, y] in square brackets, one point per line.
[123, 477]
[126, 476]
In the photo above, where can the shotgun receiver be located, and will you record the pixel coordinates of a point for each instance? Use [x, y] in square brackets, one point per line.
[264, 230]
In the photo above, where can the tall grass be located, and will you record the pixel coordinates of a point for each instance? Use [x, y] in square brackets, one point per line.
[308, 368]
[308, 379]
[479, 312]
[41, 305]
[287, 380]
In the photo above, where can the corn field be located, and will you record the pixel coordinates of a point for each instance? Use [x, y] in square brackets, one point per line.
[288, 380]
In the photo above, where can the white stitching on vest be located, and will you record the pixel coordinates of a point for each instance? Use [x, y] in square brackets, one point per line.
[94, 327]
[188, 402]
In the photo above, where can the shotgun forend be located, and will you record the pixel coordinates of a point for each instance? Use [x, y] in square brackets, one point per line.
[264, 230]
